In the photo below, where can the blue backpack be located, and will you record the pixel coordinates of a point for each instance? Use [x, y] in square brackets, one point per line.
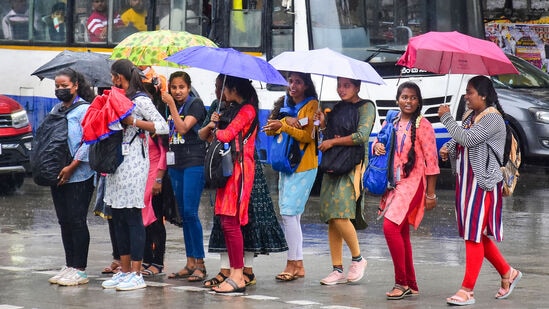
[285, 153]
[379, 177]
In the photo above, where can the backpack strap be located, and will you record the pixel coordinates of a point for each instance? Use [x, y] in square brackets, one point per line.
[188, 103]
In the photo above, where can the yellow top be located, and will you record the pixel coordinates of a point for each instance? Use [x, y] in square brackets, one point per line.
[137, 19]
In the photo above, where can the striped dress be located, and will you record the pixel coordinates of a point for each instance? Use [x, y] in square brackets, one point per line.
[474, 205]
[474, 147]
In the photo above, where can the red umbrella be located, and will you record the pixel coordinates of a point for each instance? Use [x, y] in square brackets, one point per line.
[456, 53]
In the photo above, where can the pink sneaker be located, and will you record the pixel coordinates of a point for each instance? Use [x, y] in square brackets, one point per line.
[356, 270]
[335, 277]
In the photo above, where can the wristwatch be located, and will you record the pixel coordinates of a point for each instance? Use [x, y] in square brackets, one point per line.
[158, 180]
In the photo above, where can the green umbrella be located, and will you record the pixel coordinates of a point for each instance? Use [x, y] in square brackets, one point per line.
[151, 47]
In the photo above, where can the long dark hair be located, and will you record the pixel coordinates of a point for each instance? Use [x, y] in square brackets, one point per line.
[409, 165]
[85, 90]
[485, 88]
[131, 73]
[244, 88]
[309, 92]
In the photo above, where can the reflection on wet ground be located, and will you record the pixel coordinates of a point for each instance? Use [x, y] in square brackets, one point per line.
[32, 249]
[526, 217]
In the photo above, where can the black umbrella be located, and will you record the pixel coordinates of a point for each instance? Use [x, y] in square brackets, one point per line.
[95, 67]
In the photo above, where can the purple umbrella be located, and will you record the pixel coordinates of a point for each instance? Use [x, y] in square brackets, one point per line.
[229, 62]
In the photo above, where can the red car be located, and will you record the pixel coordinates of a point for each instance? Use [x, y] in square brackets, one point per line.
[15, 143]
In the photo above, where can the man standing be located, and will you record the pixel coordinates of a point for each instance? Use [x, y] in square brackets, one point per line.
[97, 22]
[15, 24]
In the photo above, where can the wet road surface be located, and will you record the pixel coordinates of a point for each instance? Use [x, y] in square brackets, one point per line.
[31, 252]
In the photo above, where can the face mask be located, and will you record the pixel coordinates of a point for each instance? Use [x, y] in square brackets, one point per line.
[63, 94]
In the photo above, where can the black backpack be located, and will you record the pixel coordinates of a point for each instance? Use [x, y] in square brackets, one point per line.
[342, 121]
[50, 151]
[213, 169]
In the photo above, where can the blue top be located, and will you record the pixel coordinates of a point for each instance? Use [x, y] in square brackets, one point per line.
[79, 150]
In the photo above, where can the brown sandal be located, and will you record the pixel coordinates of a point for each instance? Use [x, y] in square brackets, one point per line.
[113, 269]
[179, 275]
[215, 281]
[199, 274]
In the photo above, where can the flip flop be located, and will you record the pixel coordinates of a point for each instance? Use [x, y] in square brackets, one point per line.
[405, 292]
[284, 276]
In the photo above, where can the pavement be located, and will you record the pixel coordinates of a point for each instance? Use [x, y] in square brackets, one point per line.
[32, 252]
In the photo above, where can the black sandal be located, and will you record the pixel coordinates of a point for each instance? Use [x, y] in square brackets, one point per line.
[405, 292]
[249, 279]
[210, 283]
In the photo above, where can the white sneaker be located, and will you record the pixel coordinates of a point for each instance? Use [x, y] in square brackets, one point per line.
[60, 274]
[74, 277]
[114, 281]
[133, 281]
[335, 277]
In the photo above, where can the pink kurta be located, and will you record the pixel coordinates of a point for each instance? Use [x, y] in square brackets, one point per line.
[227, 198]
[157, 159]
[400, 199]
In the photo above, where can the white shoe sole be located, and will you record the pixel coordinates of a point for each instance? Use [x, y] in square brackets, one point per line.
[131, 288]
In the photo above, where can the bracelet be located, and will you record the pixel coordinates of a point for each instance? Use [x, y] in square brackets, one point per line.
[321, 129]
[134, 121]
[158, 180]
[433, 197]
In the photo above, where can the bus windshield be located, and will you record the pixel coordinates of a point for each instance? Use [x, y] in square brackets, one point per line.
[374, 29]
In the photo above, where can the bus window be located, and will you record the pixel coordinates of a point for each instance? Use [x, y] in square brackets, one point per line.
[282, 31]
[246, 24]
[339, 25]
[183, 15]
[15, 20]
[51, 21]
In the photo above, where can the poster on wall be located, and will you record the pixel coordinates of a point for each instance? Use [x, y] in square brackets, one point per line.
[527, 41]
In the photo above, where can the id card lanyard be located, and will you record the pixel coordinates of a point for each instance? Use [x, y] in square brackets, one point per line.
[399, 150]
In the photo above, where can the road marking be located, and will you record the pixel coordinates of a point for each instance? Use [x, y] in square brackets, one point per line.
[302, 302]
[10, 307]
[261, 297]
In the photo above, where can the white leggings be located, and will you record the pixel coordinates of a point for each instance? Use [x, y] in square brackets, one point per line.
[294, 236]
[248, 260]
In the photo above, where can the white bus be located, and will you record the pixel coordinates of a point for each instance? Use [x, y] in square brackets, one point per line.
[376, 31]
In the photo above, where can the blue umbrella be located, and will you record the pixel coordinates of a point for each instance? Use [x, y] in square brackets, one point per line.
[229, 62]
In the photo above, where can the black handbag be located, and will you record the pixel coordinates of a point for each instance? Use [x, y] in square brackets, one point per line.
[359, 222]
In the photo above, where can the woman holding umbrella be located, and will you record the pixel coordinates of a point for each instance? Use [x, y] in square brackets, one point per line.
[339, 193]
[293, 114]
[231, 203]
[475, 149]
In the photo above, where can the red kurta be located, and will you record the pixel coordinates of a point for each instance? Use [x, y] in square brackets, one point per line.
[227, 200]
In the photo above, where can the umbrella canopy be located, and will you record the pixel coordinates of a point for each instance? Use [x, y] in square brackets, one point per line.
[151, 47]
[326, 62]
[456, 53]
[95, 67]
[229, 62]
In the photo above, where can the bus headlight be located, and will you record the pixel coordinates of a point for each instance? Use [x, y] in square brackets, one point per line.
[540, 115]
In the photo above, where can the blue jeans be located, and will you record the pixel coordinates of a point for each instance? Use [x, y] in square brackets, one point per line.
[188, 184]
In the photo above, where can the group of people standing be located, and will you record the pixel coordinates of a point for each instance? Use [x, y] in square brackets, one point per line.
[172, 130]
